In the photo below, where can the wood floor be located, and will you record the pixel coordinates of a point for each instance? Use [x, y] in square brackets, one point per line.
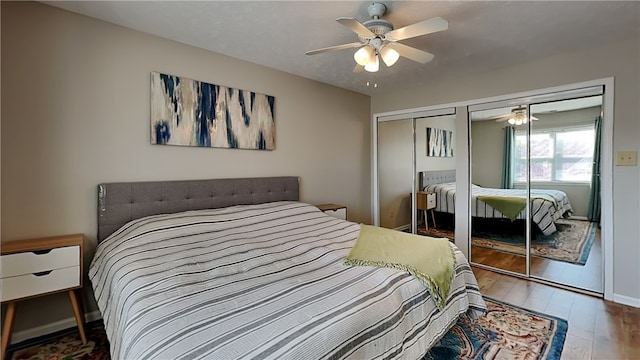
[588, 276]
[598, 329]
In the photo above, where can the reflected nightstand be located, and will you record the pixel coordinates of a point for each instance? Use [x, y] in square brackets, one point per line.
[427, 203]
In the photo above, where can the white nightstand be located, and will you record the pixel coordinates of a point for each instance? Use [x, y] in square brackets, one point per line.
[38, 267]
[427, 202]
[337, 211]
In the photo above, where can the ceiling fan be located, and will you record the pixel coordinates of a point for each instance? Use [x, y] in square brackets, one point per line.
[518, 116]
[378, 37]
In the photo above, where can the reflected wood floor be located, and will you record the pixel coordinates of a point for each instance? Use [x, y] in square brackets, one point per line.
[598, 329]
[588, 276]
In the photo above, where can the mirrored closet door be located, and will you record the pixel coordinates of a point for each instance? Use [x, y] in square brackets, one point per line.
[395, 172]
[535, 203]
[565, 165]
[498, 211]
[407, 149]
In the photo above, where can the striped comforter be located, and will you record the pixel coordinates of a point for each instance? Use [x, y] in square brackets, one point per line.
[262, 281]
[544, 210]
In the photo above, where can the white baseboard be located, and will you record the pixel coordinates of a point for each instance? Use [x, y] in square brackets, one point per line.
[626, 300]
[579, 218]
[51, 328]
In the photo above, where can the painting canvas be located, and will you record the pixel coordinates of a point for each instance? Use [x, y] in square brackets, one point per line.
[194, 113]
[439, 142]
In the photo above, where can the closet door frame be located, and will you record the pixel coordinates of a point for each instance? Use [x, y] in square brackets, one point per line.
[375, 185]
[463, 163]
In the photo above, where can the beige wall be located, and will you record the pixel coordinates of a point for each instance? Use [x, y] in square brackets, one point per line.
[620, 60]
[430, 163]
[76, 113]
[395, 148]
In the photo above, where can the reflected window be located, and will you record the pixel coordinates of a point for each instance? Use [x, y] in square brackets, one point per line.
[556, 155]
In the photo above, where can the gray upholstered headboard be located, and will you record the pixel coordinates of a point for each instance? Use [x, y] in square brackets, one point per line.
[119, 203]
[436, 177]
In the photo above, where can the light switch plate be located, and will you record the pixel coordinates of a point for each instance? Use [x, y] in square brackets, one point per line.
[626, 158]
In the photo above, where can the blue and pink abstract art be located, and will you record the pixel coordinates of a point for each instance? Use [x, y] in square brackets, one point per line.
[187, 112]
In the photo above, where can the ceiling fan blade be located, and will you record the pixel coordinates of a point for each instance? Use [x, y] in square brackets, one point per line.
[357, 27]
[499, 118]
[411, 53]
[421, 28]
[505, 117]
[334, 48]
[358, 68]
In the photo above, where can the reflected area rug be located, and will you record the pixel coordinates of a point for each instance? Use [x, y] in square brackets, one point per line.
[570, 243]
[505, 332]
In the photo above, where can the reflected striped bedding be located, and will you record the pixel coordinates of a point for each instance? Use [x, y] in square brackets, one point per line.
[260, 282]
[544, 210]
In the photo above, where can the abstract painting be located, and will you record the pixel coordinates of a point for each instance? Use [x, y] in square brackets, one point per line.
[439, 142]
[194, 113]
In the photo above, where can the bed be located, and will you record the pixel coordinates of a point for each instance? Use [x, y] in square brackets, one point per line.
[240, 268]
[547, 206]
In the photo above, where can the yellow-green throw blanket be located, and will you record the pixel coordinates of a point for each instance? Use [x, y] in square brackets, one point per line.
[429, 259]
[509, 206]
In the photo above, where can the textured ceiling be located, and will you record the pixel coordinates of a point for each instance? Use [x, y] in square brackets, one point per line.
[482, 35]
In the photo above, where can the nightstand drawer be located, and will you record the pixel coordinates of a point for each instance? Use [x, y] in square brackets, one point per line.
[337, 213]
[39, 267]
[35, 262]
[426, 200]
[431, 200]
[17, 287]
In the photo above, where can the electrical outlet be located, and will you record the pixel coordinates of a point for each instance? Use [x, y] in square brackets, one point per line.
[626, 158]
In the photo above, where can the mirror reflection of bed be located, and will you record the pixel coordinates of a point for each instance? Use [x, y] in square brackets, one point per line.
[565, 240]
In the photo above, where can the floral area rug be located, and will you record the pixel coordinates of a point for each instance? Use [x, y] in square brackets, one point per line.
[570, 243]
[64, 345]
[506, 332]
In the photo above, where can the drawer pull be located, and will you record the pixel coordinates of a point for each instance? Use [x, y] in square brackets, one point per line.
[42, 273]
[42, 252]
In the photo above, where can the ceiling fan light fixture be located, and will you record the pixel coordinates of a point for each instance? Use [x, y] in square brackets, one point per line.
[389, 55]
[378, 36]
[518, 117]
[363, 55]
[373, 65]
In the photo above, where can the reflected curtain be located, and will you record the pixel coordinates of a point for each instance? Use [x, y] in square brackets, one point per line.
[593, 211]
[507, 159]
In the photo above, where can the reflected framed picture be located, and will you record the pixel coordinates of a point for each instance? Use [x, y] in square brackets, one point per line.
[439, 142]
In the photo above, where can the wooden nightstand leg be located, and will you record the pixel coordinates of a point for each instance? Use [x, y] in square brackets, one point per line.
[426, 223]
[7, 330]
[433, 217]
[78, 312]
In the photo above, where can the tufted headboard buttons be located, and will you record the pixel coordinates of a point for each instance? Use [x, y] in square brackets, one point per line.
[119, 203]
[436, 177]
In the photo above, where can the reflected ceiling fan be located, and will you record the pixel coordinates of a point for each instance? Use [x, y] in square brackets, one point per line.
[378, 37]
[518, 116]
